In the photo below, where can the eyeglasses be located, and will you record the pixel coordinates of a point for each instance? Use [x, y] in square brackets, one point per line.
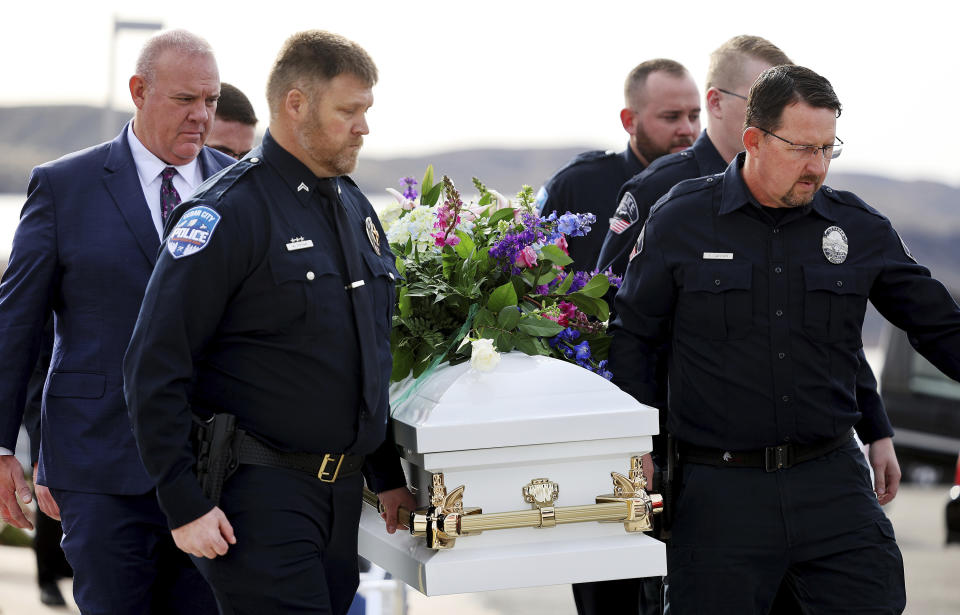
[732, 93]
[829, 152]
[229, 152]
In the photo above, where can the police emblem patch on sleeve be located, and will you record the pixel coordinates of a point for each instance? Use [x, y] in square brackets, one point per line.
[541, 198]
[192, 232]
[626, 215]
[638, 248]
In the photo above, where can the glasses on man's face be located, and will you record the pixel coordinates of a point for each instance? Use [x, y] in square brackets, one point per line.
[229, 152]
[829, 152]
[732, 93]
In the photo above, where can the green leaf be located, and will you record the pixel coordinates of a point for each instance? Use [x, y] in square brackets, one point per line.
[466, 246]
[403, 302]
[426, 184]
[555, 255]
[539, 326]
[486, 199]
[528, 345]
[565, 285]
[501, 214]
[402, 363]
[504, 341]
[508, 317]
[591, 306]
[597, 286]
[501, 297]
[484, 318]
[430, 198]
[547, 277]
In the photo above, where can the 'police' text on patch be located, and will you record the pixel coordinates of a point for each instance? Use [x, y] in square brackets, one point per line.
[193, 232]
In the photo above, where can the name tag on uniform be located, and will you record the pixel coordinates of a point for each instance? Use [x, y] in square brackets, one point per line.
[718, 256]
[299, 244]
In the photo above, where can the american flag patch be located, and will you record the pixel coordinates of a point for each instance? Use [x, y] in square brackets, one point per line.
[618, 225]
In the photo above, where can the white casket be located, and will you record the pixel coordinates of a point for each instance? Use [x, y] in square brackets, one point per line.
[494, 433]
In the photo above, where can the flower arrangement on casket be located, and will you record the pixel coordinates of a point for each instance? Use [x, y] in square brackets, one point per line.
[489, 277]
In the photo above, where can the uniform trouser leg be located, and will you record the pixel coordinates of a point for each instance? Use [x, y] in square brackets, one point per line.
[296, 548]
[124, 560]
[624, 596]
[739, 532]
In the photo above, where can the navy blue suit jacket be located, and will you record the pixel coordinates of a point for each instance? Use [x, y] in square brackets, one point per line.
[84, 249]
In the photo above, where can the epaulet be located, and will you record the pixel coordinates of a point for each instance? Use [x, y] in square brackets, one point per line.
[217, 184]
[687, 186]
[672, 160]
[850, 199]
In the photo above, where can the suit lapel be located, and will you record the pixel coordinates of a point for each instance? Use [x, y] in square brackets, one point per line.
[123, 183]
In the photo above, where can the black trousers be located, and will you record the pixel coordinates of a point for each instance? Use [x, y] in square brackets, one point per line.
[296, 548]
[623, 596]
[740, 533]
[124, 559]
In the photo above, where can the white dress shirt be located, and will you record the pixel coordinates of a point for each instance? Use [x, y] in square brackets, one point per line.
[149, 168]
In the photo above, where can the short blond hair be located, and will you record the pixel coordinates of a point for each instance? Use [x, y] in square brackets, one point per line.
[726, 62]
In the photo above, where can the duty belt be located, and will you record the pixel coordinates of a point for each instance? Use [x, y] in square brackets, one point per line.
[328, 467]
[771, 458]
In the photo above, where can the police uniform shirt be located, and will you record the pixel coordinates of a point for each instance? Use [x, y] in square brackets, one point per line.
[764, 318]
[249, 312]
[641, 191]
[588, 184]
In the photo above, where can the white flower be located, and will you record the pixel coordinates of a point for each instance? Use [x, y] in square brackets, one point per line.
[390, 214]
[404, 203]
[483, 357]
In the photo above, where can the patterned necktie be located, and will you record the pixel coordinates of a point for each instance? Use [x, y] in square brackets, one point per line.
[360, 290]
[169, 197]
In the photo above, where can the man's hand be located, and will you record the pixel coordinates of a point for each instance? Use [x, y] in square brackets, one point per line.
[393, 499]
[12, 484]
[886, 470]
[45, 501]
[207, 536]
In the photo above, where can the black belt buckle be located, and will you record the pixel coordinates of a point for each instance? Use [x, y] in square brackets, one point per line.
[326, 475]
[777, 457]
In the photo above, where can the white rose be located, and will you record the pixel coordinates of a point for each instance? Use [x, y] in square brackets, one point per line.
[483, 357]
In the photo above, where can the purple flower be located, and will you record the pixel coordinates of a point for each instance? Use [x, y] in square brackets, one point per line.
[583, 351]
[409, 192]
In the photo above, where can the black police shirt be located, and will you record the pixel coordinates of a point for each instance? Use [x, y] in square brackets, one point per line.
[764, 318]
[588, 184]
[249, 312]
[637, 198]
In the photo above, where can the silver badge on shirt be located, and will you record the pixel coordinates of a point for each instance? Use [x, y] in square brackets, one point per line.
[373, 235]
[835, 245]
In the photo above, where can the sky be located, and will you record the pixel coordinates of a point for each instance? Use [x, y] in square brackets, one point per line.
[519, 73]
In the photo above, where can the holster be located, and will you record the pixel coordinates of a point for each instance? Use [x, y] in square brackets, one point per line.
[216, 444]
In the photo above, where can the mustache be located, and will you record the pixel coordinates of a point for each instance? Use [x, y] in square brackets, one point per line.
[688, 141]
[813, 179]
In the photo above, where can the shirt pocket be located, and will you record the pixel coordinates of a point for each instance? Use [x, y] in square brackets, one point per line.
[302, 280]
[716, 302]
[834, 301]
[383, 278]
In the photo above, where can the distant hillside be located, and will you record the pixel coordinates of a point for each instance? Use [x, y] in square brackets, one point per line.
[925, 213]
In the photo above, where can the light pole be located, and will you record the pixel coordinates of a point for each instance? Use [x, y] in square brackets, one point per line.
[106, 129]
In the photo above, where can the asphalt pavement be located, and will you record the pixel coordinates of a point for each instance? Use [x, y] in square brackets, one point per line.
[917, 514]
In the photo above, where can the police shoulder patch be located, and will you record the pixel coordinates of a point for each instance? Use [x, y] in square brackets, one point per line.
[541, 198]
[626, 215]
[193, 231]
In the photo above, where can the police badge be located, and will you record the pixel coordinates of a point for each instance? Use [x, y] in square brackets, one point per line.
[373, 235]
[835, 245]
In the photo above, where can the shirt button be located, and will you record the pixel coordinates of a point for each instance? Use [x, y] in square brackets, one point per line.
[782, 355]
[254, 160]
[776, 230]
[839, 282]
[709, 180]
[778, 269]
[716, 282]
[311, 275]
[785, 398]
[779, 312]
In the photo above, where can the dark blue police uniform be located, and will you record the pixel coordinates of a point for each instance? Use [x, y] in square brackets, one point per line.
[637, 198]
[763, 313]
[641, 191]
[588, 184]
[265, 305]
